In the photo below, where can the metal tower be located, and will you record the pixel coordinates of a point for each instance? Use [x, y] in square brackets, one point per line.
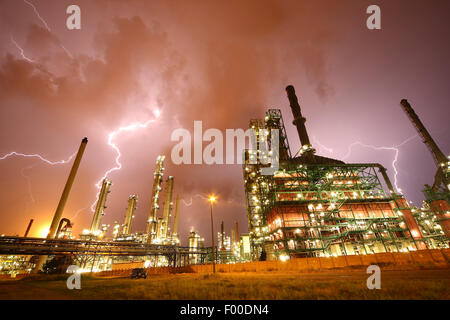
[154, 204]
[100, 207]
[130, 214]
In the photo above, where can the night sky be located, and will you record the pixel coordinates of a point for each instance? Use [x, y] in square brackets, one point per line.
[222, 62]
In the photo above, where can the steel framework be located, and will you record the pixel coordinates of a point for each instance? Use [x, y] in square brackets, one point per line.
[83, 250]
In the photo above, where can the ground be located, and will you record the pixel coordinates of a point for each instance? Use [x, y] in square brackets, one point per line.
[348, 284]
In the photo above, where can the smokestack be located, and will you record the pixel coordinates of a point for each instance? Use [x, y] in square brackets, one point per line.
[100, 208]
[438, 156]
[29, 227]
[167, 207]
[130, 214]
[175, 219]
[66, 191]
[386, 178]
[299, 122]
[152, 222]
[63, 200]
[237, 231]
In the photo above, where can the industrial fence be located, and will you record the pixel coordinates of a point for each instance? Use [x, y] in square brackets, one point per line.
[435, 258]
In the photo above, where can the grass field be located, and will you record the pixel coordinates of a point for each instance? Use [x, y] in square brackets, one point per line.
[350, 284]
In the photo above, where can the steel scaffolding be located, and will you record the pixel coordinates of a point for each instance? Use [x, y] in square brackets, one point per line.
[321, 207]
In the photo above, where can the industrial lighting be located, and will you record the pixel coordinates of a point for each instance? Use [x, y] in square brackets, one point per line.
[212, 199]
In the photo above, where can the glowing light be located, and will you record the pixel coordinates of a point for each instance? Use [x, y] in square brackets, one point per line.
[212, 199]
[43, 233]
[284, 257]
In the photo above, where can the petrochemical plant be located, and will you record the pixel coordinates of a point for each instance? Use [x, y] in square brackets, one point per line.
[314, 206]
[310, 206]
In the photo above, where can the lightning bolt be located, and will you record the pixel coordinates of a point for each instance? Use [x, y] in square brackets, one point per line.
[37, 14]
[30, 192]
[22, 53]
[111, 136]
[67, 51]
[329, 150]
[46, 25]
[188, 204]
[14, 153]
[76, 213]
[393, 148]
[203, 197]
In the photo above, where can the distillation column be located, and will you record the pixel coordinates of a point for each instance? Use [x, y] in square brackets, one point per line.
[222, 237]
[154, 204]
[130, 214]
[100, 208]
[175, 220]
[168, 204]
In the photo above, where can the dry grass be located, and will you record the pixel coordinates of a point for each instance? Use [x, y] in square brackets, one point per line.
[418, 284]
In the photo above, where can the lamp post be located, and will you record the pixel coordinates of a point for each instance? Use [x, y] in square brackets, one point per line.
[212, 199]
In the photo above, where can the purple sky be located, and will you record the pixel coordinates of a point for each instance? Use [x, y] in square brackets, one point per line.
[222, 62]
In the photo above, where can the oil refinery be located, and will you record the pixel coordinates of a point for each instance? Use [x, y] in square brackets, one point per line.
[311, 206]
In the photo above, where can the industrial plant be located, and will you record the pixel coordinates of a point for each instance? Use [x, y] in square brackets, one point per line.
[159, 245]
[314, 206]
[310, 206]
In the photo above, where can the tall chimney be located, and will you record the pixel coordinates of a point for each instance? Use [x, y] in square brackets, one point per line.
[152, 221]
[100, 208]
[28, 228]
[299, 122]
[167, 206]
[237, 231]
[66, 191]
[130, 214]
[438, 156]
[63, 200]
